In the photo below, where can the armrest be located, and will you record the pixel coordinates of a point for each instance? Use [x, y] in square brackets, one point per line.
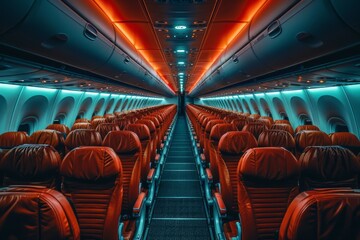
[139, 204]
[209, 174]
[157, 158]
[162, 146]
[220, 203]
[165, 138]
[198, 145]
[202, 157]
[195, 137]
[150, 175]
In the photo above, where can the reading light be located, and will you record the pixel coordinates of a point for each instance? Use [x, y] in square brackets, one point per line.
[180, 74]
[180, 27]
[181, 63]
[180, 51]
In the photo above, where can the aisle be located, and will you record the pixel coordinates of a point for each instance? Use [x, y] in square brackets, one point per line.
[179, 211]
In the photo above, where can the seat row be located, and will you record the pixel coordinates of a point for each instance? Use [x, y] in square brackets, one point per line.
[106, 189]
[251, 189]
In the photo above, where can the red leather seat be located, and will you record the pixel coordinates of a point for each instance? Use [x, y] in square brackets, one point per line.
[9, 140]
[153, 136]
[268, 118]
[96, 121]
[36, 213]
[267, 183]
[240, 123]
[265, 121]
[283, 127]
[59, 127]
[277, 138]
[127, 146]
[328, 167]
[306, 127]
[92, 179]
[82, 120]
[282, 121]
[81, 125]
[216, 133]
[347, 140]
[143, 133]
[122, 123]
[254, 116]
[323, 214]
[31, 164]
[310, 138]
[82, 137]
[206, 137]
[158, 134]
[105, 128]
[110, 118]
[50, 137]
[255, 128]
[232, 146]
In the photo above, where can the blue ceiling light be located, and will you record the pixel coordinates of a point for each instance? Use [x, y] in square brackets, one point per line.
[181, 63]
[181, 74]
[180, 51]
[180, 27]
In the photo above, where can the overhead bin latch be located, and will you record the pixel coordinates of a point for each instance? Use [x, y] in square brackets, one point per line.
[90, 32]
[274, 29]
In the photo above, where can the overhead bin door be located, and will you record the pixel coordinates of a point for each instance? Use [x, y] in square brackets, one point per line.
[308, 30]
[51, 29]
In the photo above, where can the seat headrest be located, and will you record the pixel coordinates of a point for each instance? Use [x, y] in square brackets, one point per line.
[104, 128]
[344, 139]
[268, 164]
[207, 119]
[280, 121]
[212, 123]
[283, 126]
[122, 142]
[95, 122]
[220, 129]
[154, 119]
[91, 163]
[35, 212]
[59, 127]
[141, 130]
[81, 125]
[149, 123]
[311, 138]
[51, 137]
[12, 139]
[276, 138]
[82, 120]
[30, 161]
[236, 142]
[329, 163]
[83, 137]
[306, 127]
[329, 213]
[122, 123]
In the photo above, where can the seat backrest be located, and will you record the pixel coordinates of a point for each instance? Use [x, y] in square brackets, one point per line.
[281, 121]
[254, 116]
[328, 167]
[122, 123]
[265, 121]
[283, 127]
[81, 125]
[92, 180]
[36, 213]
[143, 133]
[82, 120]
[307, 138]
[127, 146]
[207, 131]
[347, 140]
[9, 140]
[267, 117]
[277, 138]
[96, 121]
[31, 164]
[255, 128]
[306, 127]
[104, 128]
[267, 183]
[82, 137]
[50, 137]
[59, 127]
[217, 131]
[232, 146]
[239, 123]
[153, 136]
[323, 214]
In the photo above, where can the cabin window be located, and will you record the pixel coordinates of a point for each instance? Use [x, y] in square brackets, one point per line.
[98, 107]
[338, 125]
[60, 118]
[117, 106]
[65, 106]
[246, 106]
[265, 107]
[299, 107]
[110, 104]
[255, 106]
[279, 106]
[85, 106]
[28, 125]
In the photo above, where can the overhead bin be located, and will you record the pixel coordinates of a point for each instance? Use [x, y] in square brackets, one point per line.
[309, 30]
[51, 29]
[349, 12]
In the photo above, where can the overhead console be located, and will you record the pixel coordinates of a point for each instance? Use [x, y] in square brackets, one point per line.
[282, 34]
[76, 34]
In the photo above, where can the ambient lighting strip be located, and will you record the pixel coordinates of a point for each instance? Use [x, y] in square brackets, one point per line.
[231, 38]
[110, 13]
[4, 87]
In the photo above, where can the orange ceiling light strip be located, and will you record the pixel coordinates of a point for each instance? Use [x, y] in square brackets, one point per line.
[110, 11]
[248, 15]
